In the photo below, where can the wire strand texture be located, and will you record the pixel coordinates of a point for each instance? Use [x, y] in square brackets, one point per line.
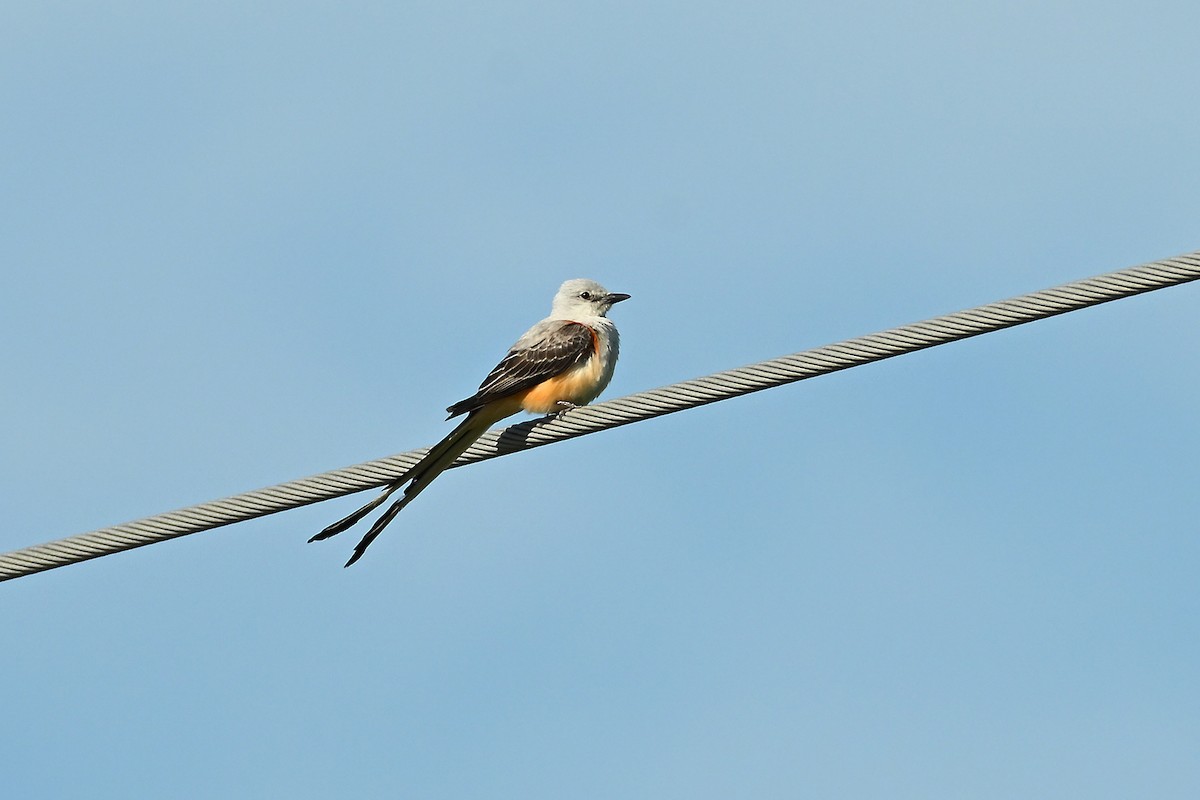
[613, 413]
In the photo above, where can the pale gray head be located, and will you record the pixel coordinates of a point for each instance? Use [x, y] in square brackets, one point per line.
[583, 298]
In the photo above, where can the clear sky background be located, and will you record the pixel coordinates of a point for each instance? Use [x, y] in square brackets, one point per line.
[247, 242]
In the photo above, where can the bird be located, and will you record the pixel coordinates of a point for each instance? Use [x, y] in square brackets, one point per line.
[562, 362]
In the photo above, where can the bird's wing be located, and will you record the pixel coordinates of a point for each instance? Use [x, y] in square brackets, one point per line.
[550, 348]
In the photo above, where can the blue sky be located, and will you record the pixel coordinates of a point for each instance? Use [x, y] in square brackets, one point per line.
[244, 243]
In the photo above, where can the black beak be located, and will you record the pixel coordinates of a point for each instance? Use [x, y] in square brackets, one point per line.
[616, 297]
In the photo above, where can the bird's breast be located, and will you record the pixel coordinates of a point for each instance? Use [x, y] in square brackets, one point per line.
[582, 383]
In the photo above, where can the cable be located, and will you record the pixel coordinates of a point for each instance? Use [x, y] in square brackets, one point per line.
[613, 413]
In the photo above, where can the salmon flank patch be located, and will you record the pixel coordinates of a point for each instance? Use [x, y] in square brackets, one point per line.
[579, 385]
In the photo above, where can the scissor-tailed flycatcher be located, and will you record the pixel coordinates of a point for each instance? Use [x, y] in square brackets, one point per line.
[564, 361]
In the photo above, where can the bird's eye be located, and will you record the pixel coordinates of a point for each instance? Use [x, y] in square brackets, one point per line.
[585, 295]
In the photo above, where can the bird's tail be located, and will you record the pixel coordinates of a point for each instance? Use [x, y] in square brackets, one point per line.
[435, 462]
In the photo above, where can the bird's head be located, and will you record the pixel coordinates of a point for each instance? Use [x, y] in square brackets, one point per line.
[583, 298]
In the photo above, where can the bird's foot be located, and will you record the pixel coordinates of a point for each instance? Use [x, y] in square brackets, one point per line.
[564, 407]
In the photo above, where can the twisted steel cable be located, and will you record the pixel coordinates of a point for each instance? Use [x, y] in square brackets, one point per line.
[613, 413]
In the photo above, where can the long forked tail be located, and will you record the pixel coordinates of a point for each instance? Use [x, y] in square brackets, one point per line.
[435, 462]
[350, 520]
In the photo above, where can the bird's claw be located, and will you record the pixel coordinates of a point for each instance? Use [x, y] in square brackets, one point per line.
[565, 406]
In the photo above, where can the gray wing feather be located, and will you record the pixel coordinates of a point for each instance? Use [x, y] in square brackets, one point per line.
[548, 349]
